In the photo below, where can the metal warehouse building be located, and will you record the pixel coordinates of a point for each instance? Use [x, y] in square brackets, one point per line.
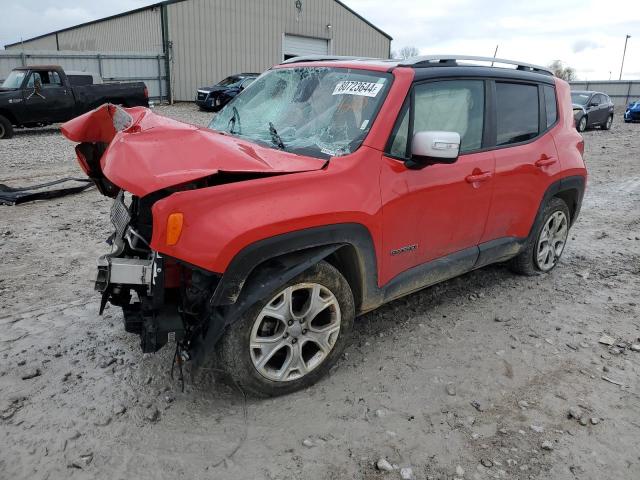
[206, 40]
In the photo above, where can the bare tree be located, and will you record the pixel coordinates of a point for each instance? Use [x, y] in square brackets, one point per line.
[562, 71]
[408, 52]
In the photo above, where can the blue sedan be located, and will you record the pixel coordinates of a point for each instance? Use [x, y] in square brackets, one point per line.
[632, 113]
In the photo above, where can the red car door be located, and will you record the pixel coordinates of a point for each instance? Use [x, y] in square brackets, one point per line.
[442, 208]
[525, 155]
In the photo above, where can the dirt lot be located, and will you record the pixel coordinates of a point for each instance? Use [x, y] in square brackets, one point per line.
[473, 378]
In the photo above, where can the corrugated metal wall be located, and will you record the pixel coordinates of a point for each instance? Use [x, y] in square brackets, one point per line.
[212, 39]
[45, 43]
[147, 67]
[620, 91]
[136, 32]
[139, 31]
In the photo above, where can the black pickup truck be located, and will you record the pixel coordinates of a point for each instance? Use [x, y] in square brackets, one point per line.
[34, 96]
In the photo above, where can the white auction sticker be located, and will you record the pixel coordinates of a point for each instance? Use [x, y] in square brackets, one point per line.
[364, 89]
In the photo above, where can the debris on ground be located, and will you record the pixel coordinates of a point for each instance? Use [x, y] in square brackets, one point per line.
[384, 466]
[607, 340]
[18, 195]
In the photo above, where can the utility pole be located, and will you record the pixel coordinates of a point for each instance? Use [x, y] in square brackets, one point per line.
[623, 54]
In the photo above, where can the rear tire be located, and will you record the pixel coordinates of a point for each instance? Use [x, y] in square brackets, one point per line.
[271, 351]
[608, 123]
[6, 129]
[581, 126]
[547, 241]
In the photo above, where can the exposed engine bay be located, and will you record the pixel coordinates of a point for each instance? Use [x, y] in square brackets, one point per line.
[162, 299]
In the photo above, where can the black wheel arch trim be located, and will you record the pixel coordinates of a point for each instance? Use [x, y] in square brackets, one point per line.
[564, 185]
[301, 244]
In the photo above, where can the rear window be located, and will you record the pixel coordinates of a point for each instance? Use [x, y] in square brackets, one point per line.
[517, 113]
[550, 104]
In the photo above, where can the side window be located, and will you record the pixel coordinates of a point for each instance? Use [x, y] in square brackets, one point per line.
[398, 144]
[550, 104]
[517, 112]
[451, 106]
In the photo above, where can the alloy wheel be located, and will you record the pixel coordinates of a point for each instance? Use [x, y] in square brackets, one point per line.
[582, 126]
[551, 241]
[295, 332]
[609, 122]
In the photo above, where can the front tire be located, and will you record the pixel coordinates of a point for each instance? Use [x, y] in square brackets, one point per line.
[582, 124]
[288, 340]
[6, 129]
[547, 241]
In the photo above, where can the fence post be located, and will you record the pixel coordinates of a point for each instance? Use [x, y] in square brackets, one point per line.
[628, 93]
[159, 78]
[23, 59]
[99, 64]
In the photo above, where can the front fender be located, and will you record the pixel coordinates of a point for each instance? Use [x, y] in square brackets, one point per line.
[222, 220]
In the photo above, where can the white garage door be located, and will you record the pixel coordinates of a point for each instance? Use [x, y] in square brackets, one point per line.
[295, 45]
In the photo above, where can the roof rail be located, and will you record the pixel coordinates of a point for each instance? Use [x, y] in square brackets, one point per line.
[452, 60]
[323, 58]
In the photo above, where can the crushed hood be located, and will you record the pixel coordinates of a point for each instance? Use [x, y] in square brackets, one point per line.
[148, 152]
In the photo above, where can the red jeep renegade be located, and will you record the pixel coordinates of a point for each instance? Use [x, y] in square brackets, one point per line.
[326, 188]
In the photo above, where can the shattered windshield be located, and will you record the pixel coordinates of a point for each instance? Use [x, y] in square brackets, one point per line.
[14, 80]
[316, 111]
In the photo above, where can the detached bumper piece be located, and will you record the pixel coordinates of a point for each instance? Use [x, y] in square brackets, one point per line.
[156, 321]
[17, 195]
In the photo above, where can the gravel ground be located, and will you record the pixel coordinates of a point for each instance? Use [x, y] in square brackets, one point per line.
[472, 378]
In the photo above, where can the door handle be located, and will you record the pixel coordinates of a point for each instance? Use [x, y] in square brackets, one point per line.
[545, 161]
[478, 177]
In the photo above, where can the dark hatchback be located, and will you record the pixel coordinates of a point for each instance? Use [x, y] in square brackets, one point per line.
[217, 96]
[591, 109]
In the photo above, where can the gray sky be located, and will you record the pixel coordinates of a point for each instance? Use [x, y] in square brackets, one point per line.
[586, 34]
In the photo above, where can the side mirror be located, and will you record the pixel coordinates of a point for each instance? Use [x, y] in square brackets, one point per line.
[593, 104]
[428, 148]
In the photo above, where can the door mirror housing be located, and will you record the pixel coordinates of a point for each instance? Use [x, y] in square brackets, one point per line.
[431, 147]
[593, 104]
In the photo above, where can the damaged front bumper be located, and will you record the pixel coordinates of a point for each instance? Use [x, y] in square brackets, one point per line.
[162, 299]
[148, 315]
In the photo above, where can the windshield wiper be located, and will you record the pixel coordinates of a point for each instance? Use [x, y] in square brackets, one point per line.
[235, 119]
[275, 138]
